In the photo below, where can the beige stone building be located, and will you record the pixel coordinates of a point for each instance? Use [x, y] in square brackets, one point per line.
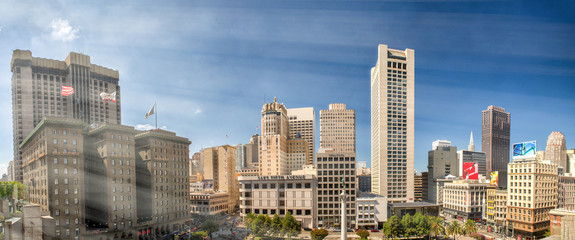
[532, 193]
[439, 185]
[111, 178]
[280, 194]
[562, 224]
[85, 177]
[247, 154]
[418, 188]
[273, 140]
[249, 172]
[570, 170]
[219, 166]
[334, 169]
[297, 154]
[337, 128]
[163, 188]
[556, 150]
[284, 148]
[36, 87]
[566, 193]
[207, 204]
[196, 168]
[464, 199]
[392, 124]
[302, 125]
[54, 163]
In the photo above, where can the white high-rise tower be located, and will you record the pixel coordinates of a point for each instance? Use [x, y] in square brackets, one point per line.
[471, 146]
[392, 124]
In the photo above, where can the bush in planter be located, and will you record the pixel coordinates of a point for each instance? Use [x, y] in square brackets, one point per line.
[363, 234]
[318, 234]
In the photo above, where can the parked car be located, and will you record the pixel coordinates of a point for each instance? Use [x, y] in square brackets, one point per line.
[374, 230]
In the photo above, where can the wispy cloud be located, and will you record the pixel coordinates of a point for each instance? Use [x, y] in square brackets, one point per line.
[198, 111]
[62, 31]
[146, 127]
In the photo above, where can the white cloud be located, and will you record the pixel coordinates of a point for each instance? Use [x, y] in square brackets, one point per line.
[62, 31]
[198, 111]
[146, 127]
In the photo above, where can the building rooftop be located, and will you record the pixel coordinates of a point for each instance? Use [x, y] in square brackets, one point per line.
[368, 195]
[413, 204]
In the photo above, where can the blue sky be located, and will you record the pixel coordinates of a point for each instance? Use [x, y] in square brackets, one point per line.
[210, 65]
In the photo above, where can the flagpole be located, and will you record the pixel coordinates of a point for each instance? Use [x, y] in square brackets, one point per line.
[156, 113]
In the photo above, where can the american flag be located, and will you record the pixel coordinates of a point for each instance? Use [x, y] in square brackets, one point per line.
[67, 91]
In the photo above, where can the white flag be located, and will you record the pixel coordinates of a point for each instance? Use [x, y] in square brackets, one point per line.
[151, 112]
[108, 96]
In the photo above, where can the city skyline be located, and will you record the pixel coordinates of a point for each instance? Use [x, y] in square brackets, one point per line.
[520, 58]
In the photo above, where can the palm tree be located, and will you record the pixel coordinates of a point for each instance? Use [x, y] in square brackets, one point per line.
[469, 227]
[454, 229]
[436, 226]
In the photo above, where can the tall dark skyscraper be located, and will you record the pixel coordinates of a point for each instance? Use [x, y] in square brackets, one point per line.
[495, 143]
[37, 85]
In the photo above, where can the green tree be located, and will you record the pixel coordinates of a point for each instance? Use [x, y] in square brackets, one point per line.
[392, 228]
[199, 235]
[408, 225]
[421, 223]
[363, 234]
[469, 227]
[275, 226]
[249, 220]
[261, 225]
[436, 226]
[210, 226]
[7, 189]
[454, 228]
[290, 226]
[319, 234]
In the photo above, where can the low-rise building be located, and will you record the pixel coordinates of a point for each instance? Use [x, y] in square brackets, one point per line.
[496, 209]
[566, 193]
[562, 223]
[29, 224]
[439, 188]
[197, 187]
[207, 204]
[280, 194]
[411, 208]
[371, 211]
[249, 172]
[464, 199]
[490, 208]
